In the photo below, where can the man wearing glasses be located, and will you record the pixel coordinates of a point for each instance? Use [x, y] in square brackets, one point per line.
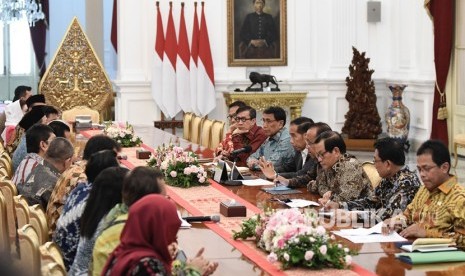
[226, 146]
[341, 176]
[277, 149]
[437, 211]
[246, 133]
[398, 185]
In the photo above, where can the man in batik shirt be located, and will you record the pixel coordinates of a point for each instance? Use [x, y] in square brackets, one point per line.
[341, 176]
[437, 211]
[398, 185]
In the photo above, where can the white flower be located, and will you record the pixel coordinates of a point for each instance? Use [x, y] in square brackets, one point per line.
[173, 173]
[202, 179]
[346, 250]
[348, 259]
[320, 230]
[272, 257]
[164, 165]
[187, 170]
[286, 257]
[323, 249]
[339, 245]
[309, 255]
[312, 239]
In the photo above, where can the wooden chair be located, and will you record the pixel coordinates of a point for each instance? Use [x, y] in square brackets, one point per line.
[29, 249]
[5, 162]
[70, 114]
[195, 133]
[4, 236]
[206, 133]
[50, 253]
[9, 191]
[372, 173]
[53, 269]
[459, 142]
[187, 124]
[22, 211]
[38, 220]
[217, 133]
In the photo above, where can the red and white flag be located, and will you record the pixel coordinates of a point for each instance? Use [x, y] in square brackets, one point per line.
[157, 77]
[182, 66]
[206, 97]
[170, 101]
[194, 59]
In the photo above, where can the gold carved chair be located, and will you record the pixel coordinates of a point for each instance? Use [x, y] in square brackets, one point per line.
[186, 124]
[6, 165]
[70, 114]
[29, 249]
[50, 254]
[459, 142]
[38, 220]
[217, 133]
[206, 133]
[53, 269]
[372, 173]
[196, 126]
[4, 236]
[8, 190]
[22, 211]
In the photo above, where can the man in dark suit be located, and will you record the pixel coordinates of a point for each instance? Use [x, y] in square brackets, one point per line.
[299, 165]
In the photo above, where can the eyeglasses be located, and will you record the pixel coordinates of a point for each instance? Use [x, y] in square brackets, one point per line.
[268, 121]
[242, 119]
[231, 116]
[426, 169]
[320, 155]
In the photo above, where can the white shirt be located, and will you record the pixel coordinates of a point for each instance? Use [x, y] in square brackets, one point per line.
[304, 156]
[13, 114]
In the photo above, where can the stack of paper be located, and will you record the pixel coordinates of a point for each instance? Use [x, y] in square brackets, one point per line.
[373, 234]
[299, 203]
[430, 245]
[256, 182]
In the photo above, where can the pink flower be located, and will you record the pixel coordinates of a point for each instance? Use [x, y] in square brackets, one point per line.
[202, 179]
[323, 249]
[309, 255]
[320, 230]
[272, 257]
[173, 173]
[187, 170]
[348, 259]
[286, 257]
[339, 245]
[281, 243]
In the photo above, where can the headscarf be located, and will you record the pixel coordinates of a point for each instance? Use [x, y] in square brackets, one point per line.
[152, 225]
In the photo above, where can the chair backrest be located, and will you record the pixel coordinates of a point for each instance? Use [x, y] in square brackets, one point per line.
[4, 236]
[38, 220]
[70, 114]
[22, 211]
[53, 269]
[2, 121]
[217, 133]
[206, 133]
[372, 173]
[29, 249]
[50, 253]
[195, 133]
[9, 192]
[187, 124]
[5, 162]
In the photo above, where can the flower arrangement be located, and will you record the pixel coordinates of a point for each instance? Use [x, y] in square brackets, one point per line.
[181, 168]
[295, 239]
[125, 136]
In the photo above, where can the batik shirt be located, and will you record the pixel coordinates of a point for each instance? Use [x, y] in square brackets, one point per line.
[345, 179]
[391, 196]
[68, 227]
[441, 212]
[276, 149]
[64, 186]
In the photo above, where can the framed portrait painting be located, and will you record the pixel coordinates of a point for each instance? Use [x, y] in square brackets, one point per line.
[257, 33]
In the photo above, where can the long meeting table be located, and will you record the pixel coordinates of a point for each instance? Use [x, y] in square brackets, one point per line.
[372, 258]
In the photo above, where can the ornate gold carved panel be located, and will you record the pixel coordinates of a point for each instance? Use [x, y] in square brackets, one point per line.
[76, 76]
[261, 100]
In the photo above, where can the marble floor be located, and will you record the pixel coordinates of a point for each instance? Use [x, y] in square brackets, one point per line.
[411, 162]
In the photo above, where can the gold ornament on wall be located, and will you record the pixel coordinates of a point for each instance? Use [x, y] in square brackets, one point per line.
[76, 76]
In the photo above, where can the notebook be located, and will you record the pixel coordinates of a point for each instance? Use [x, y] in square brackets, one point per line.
[431, 257]
[430, 245]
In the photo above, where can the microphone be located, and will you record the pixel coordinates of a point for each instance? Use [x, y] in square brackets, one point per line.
[245, 149]
[214, 218]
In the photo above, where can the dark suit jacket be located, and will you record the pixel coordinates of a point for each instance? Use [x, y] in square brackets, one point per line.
[295, 168]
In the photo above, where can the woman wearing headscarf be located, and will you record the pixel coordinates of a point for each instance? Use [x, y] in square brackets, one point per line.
[148, 241]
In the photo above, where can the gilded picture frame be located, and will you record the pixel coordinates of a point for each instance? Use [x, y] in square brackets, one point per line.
[257, 33]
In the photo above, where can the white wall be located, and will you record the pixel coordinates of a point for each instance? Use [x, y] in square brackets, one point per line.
[320, 37]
